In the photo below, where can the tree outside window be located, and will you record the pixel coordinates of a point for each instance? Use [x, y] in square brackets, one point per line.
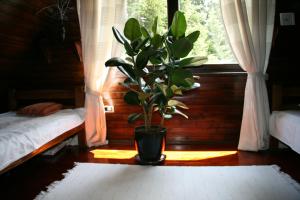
[203, 15]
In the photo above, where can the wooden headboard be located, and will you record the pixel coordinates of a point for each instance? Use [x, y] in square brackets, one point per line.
[70, 98]
[285, 97]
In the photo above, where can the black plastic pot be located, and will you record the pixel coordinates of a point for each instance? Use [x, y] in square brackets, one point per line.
[150, 144]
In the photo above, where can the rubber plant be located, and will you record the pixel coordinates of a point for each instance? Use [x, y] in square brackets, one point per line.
[156, 67]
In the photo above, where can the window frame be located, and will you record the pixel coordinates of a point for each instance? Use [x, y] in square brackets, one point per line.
[172, 7]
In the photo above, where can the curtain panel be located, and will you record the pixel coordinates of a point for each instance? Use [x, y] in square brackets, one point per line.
[249, 26]
[96, 18]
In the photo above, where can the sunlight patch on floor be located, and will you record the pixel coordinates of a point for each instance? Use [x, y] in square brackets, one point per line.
[171, 155]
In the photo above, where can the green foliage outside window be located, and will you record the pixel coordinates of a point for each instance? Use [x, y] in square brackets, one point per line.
[146, 10]
[203, 15]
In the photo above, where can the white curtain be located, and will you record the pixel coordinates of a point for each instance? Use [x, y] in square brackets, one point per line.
[249, 26]
[96, 18]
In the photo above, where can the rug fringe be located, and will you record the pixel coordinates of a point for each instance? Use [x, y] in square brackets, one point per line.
[50, 187]
[287, 177]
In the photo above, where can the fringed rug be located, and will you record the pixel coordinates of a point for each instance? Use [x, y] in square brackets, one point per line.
[130, 182]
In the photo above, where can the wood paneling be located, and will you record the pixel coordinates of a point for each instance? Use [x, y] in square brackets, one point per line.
[31, 54]
[214, 116]
[284, 67]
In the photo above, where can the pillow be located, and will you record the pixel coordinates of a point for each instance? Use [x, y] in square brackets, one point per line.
[40, 109]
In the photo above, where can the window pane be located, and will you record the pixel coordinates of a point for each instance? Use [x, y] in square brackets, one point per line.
[205, 16]
[146, 10]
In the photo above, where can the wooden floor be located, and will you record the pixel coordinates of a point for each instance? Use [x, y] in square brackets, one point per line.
[27, 180]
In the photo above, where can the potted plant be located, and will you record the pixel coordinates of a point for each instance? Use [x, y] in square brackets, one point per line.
[156, 71]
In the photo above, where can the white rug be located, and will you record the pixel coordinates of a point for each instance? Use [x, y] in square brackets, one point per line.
[89, 181]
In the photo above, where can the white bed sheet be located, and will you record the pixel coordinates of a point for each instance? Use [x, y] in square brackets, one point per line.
[285, 126]
[20, 135]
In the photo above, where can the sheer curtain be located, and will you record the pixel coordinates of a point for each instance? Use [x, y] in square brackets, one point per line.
[249, 26]
[96, 18]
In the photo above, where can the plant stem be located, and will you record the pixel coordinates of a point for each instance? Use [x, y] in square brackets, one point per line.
[146, 117]
[162, 121]
[150, 111]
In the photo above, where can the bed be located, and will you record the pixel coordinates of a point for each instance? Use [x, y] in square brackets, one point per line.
[285, 118]
[22, 137]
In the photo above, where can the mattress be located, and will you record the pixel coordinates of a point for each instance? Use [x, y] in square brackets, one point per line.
[285, 126]
[20, 135]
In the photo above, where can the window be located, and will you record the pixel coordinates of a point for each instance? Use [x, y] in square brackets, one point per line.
[146, 10]
[203, 15]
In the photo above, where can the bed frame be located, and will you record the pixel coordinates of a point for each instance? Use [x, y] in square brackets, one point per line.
[279, 93]
[76, 96]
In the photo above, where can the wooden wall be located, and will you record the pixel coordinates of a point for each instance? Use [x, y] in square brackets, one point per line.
[31, 52]
[32, 55]
[216, 108]
[284, 67]
[214, 116]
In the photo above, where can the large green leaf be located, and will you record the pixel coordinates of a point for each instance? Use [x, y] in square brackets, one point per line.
[142, 44]
[155, 60]
[145, 33]
[174, 102]
[132, 29]
[115, 61]
[124, 67]
[167, 116]
[150, 77]
[181, 48]
[129, 49]
[191, 61]
[132, 98]
[176, 90]
[134, 116]
[193, 36]
[180, 76]
[129, 59]
[193, 86]
[176, 111]
[135, 43]
[156, 41]
[143, 57]
[128, 81]
[178, 26]
[158, 58]
[120, 38]
[154, 26]
[163, 88]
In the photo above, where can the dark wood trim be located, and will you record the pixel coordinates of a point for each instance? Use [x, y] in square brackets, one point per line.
[79, 96]
[276, 97]
[274, 142]
[218, 68]
[46, 146]
[76, 94]
[44, 94]
[279, 92]
[172, 8]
